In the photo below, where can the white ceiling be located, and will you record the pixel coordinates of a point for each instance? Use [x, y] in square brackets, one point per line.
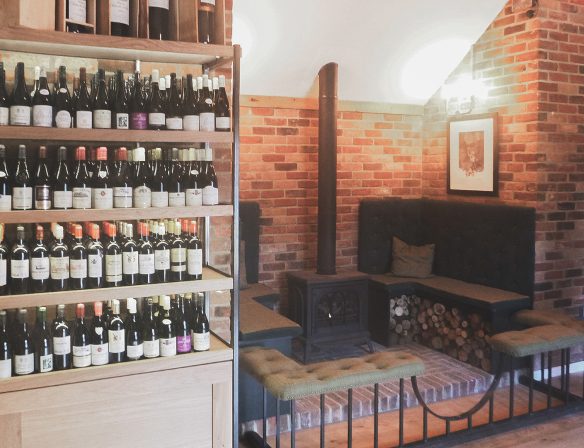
[390, 51]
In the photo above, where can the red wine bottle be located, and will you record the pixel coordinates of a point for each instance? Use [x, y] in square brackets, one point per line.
[190, 107]
[43, 195]
[116, 335]
[208, 180]
[19, 264]
[166, 329]
[95, 259]
[20, 101]
[176, 187]
[206, 21]
[174, 107]
[178, 255]
[102, 187]
[201, 333]
[43, 343]
[5, 348]
[23, 346]
[21, 183]
[156, 105]
[122, 180]
[162, 256]
[81, 181]
[102, 114]
[138, 113]
[158, 19]
[81, 339]
[99, 337]
[62, 186]
[183, 328]
[158, 181]
[4, 100]
[3, 263]
[142, 192]
[5, 184]
[61, 341]
[120, 17]
[150, 332]
[134, 342]
[130, 258]
[145, 256]
[78, 262]
[83, 109]
[113, 258]
[194, 254]
[120, 105]
[42, 108]
[39, 263]
[206, 108]
[63, 102]
[222, 110]
[59, 261]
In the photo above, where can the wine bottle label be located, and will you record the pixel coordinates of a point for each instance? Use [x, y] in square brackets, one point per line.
[22, 198]
[122, 121]
[23, 364]
[201, 341]
[62, 345]
[42, 116]
[207, 121]
[4, 116]
[195, 261]
[210, 195]
[81, 197]
[78, 10]
[102, 119]
[191, 122]
[208, 2]
[135, 351]
[223, 123]
[78, 268]
[157, 118]
[142, 197]
[5, 368]
[117, 341]
[95, 266]
[103, 198]
[177, 199]
[42, 197]
[40, 268]
[59, 268]
[174, 123]
[63, 199]
[139, 120]
[130, 263]
[19, 268]
[146, 263]
[167, 346]
[122, 197]
[45, 363]
[20, 115]
[162, 259]
[63, 119]
[3, 273]
[5, 202]
[81, 356]
[120, 11]
[183, 344]
[152, 349]
[178, 259]
[84, 119]
[99, 354]
[158, 4]
[194, 196]
[113, 269]
[160, 199]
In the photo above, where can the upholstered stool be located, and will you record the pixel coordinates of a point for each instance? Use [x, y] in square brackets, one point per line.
[534, 318]
[541, 339]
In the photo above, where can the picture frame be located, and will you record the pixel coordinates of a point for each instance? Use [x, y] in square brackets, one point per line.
[473, 157]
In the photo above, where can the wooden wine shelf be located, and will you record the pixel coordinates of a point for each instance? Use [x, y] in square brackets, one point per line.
[60, 43]
[219, 353]
[102, 136]
[114, 214]
[212, 281]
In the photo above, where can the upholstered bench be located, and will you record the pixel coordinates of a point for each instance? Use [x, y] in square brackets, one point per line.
[534, 318]
[540, 339]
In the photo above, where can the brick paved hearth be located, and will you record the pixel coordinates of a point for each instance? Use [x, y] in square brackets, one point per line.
[445, 378]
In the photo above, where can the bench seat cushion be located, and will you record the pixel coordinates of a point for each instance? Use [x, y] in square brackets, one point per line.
[536, 340]
[534, 318]
[288, 380]
[258, 322]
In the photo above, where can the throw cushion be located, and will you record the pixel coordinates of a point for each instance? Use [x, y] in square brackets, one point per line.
[411, 261]
[242, 270]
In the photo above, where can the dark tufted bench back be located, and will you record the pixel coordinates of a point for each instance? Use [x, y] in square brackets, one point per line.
[249, 217]
[492, 245]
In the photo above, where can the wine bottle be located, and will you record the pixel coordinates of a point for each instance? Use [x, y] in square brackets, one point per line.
[76, 11]
[130, 258]
[81, 339]
[5, 348]
[178, 256]
[167, 88]
[62, 188]
[150, 332]
[83, 110]
[190, 107]
[158, 182]
[21, 183]
[102, 114]
[3, 263]
[122, 180]
[43, 194]
[209, 181]
[222, 110]
[42, 109]
[59, 261]
[20, 101]
[134, 341]
[102, 184]
[4, 100]
[206, 108]
[138, 113]
[81, 185]
[120, 17]
[95, 255]
[23, 346]
[206, 21]
[166, 330]
[145, 256]
[176, 188]
[5, 187]
[174, 109]
[158, 19]
[63, 102]
[162, 90]
[43, 343]
[201, 333]
[156, 106]
[162, 256]
[39, 263]
[78, 263]
[142, 192]
[61, 341]
[99, 337]
[194, 254]
[116, 335]
[121, 108]
[113, 258]
[183, 329]
[193, 191]
[19, 264]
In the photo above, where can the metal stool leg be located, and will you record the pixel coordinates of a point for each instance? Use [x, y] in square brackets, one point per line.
[567, 396]
[401, 412]
[511, 387]
[292, 423]
[322, 417]
[549, 381]
[376, 415]
[265, 418]
[531, 363]
[350, 419]
[277, 423]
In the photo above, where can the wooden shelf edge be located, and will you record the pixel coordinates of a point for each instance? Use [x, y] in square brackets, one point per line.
[212, 281]
[219, 352]
[59, 135]
[110, 47]
[70, 215]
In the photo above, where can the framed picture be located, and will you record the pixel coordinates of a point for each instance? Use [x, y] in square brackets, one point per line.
[473, 163]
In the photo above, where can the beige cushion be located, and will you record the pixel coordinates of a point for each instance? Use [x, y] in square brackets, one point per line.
[288, 380]
[411, 261]
[536, 340]
[534, 318]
